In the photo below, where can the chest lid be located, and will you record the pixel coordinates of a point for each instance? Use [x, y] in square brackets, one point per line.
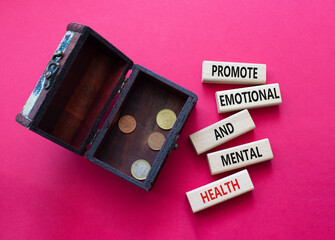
[76, 89]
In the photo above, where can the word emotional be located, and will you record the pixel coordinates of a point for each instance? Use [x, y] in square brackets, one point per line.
[249, 97]
[240, 156]
[222, 131]
[220, 191]
[233, 73]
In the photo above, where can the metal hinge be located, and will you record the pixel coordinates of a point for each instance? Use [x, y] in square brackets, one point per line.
[94, 137]
[122, 85]
[52, 68]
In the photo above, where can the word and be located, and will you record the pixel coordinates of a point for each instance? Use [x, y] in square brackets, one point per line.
[222, 131]
[226, 129]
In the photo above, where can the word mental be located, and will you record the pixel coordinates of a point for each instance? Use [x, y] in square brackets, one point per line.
[233, 73]
[240, 156]
[243, 155]
[249, 97]
[222, 131]
[220, 191]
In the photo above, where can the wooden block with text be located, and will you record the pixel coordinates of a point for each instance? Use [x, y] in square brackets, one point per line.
[249, 97]
[222, 131]
[240, 156]
[233, 73]
[219, 191]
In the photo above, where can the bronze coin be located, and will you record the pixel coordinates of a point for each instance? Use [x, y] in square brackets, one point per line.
[165, 119]
[127, 124]
[156, 141]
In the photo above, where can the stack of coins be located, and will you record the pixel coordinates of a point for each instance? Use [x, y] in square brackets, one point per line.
[165, 119]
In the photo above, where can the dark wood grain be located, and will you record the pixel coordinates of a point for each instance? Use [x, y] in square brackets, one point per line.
[145, 99]
[82, 95]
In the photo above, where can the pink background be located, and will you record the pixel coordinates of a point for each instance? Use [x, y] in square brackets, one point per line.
[48, 192]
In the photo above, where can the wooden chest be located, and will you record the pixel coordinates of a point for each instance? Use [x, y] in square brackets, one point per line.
[86, 88]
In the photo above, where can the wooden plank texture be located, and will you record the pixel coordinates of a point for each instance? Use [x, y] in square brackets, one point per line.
[249, 97]
[240, 156]
[222, 131]
[219, 191]
[233, 73]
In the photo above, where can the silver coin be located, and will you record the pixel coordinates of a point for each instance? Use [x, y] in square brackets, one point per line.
[140, 169]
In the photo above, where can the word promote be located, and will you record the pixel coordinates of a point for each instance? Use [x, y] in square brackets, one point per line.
[220, 191]
[233, 73]
[249, 97]
[240, 156]
[222, 131]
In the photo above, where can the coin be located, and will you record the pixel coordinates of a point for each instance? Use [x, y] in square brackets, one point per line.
[156, 141]
[127, 124]
[140, 169]
[165, 119]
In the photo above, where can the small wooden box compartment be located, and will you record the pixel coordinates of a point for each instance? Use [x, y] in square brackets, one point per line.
[84, 91]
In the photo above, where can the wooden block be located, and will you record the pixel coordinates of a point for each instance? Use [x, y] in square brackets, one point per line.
[219, 191]
[249, 97]
[240, 156]
[222, 131]
[233, 73]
